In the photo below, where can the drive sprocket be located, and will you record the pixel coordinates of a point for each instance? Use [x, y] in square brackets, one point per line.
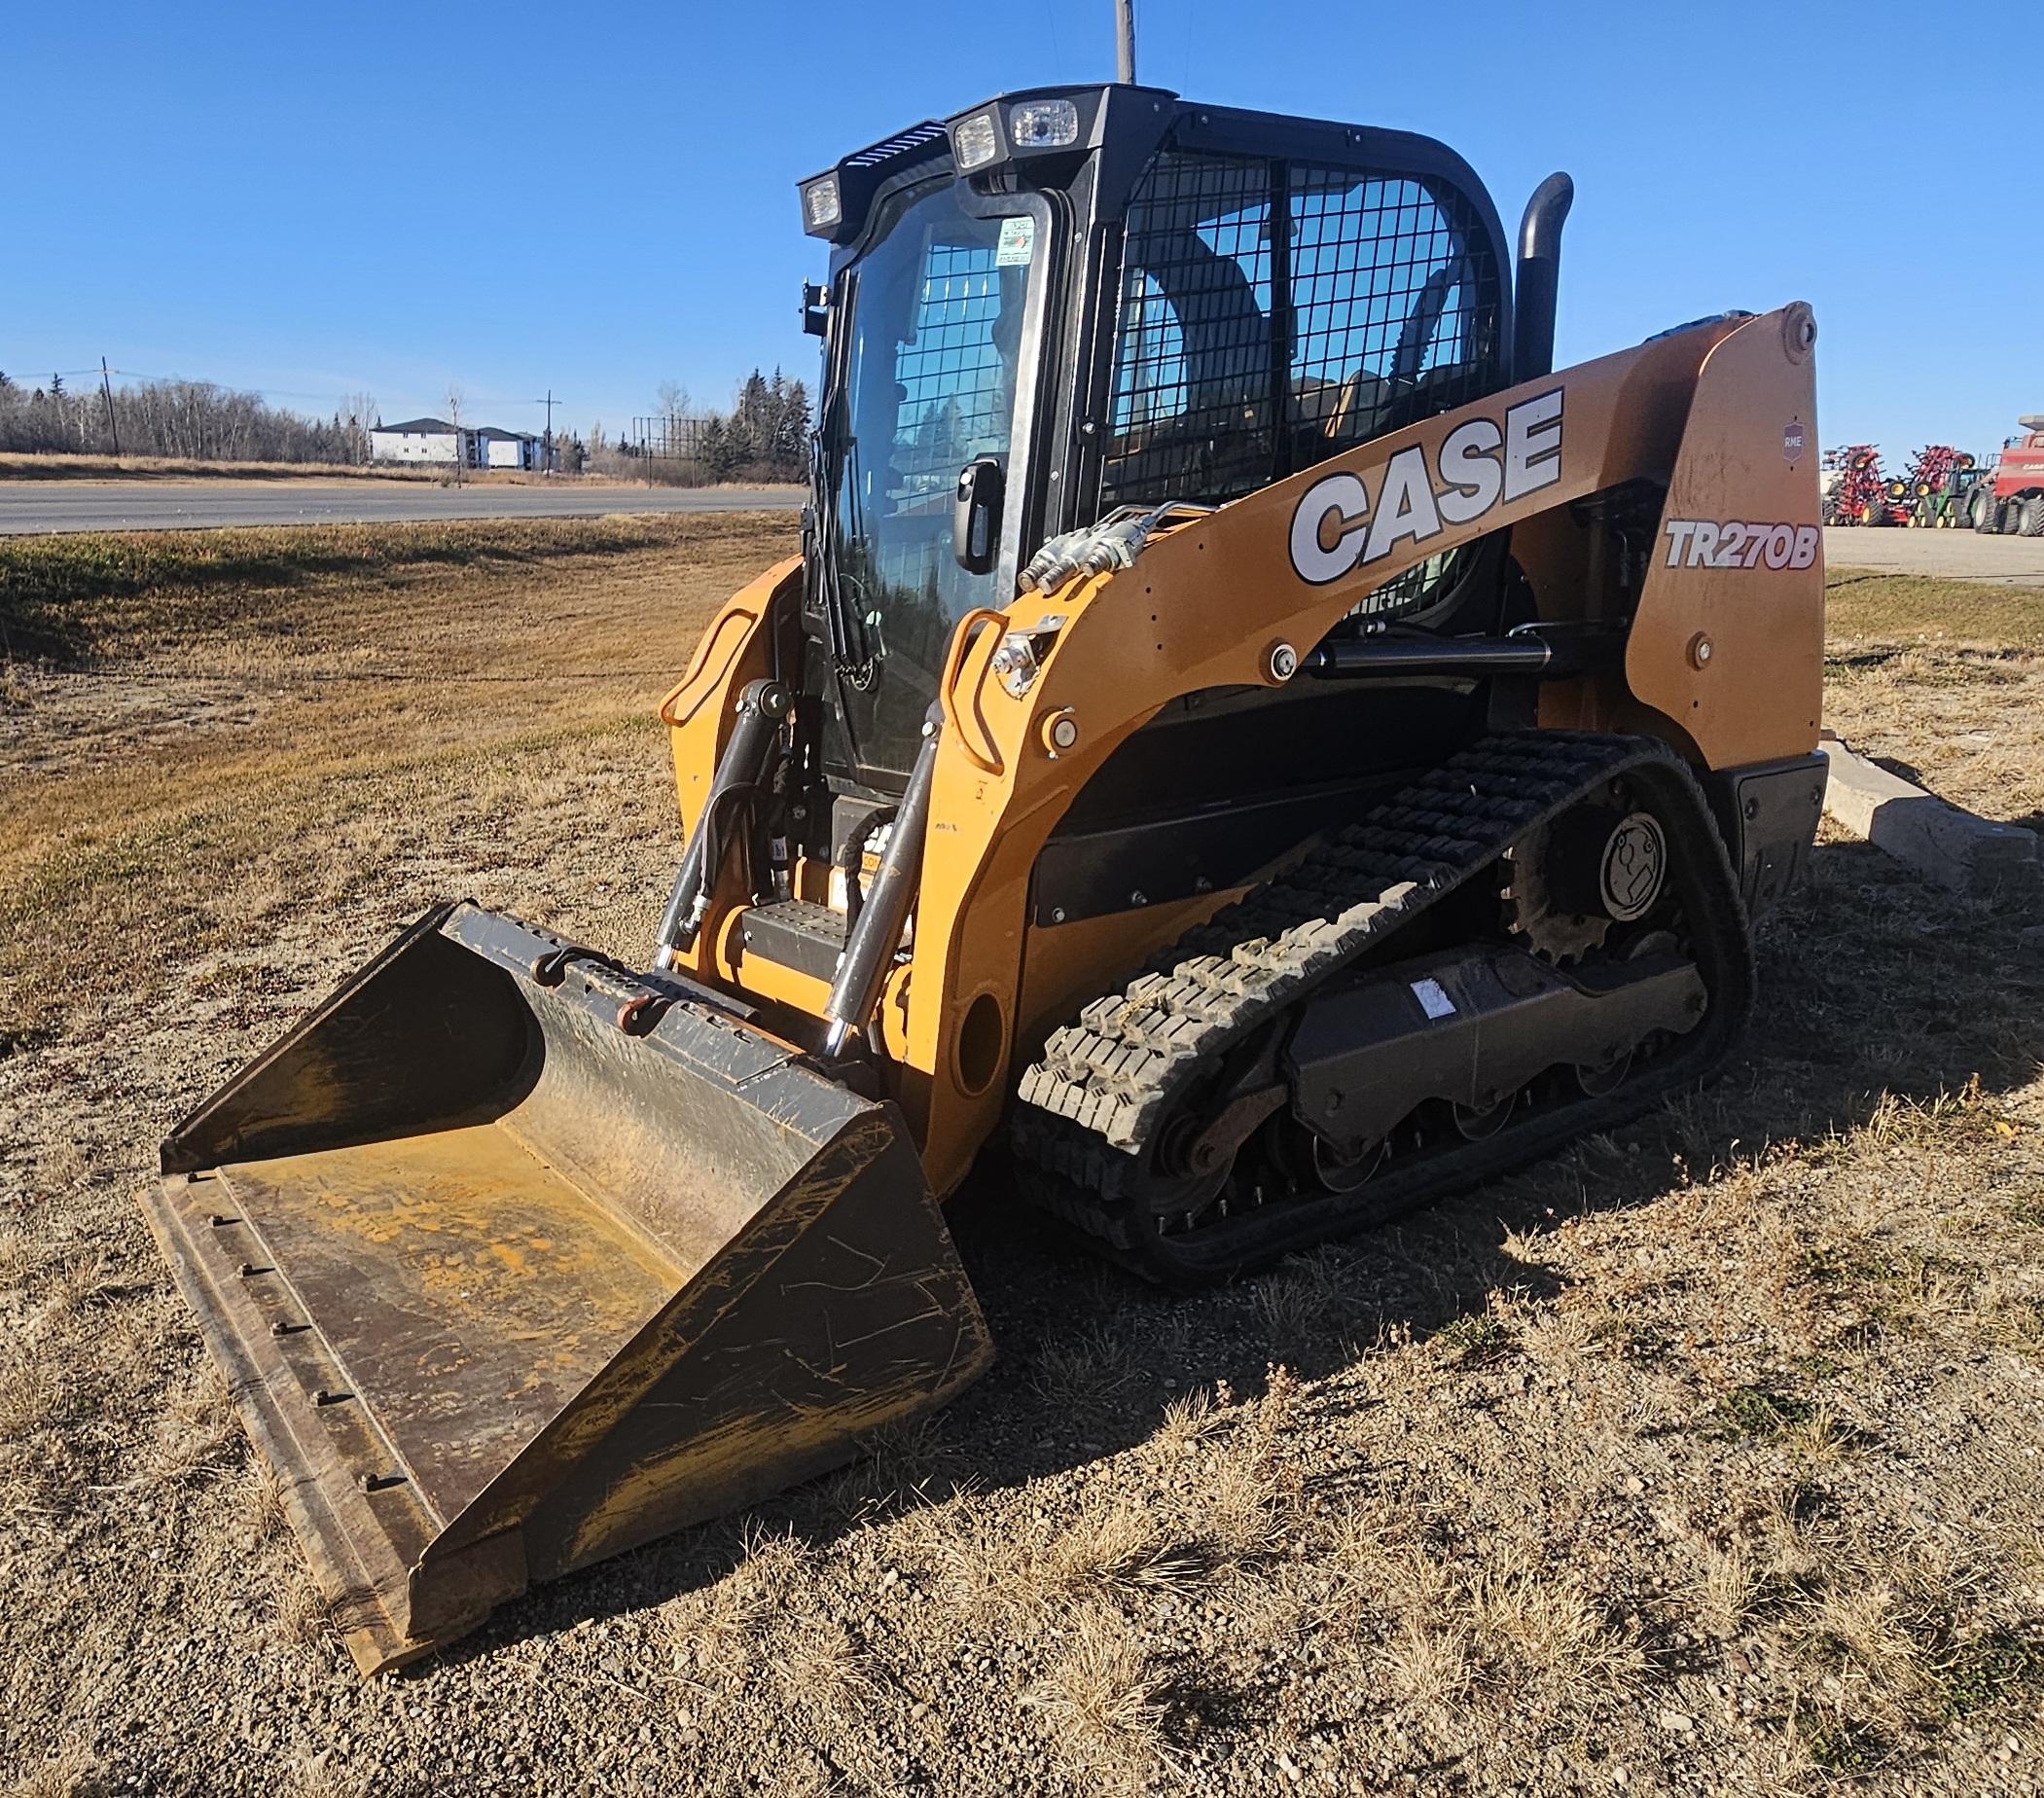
[1534, 916]
[1569, 879]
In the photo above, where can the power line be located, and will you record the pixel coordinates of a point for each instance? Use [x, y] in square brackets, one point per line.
[101, 367]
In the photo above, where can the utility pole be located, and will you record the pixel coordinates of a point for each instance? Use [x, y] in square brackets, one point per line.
[106, 387]
[1125, 42]
[547, 442]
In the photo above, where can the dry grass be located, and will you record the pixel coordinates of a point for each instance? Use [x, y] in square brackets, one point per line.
[27, 1395]
[228, 714]
[1549, 1634]
[1099, 1696]
[1122, 1547]
[1707, 1453]
[67, 1772]
[1243, 1500]
[1942, 681]
[1306, 1298]
[1863, 608]
[1727, 1590]
[715, 1634]
[1083, 1372]
[26, 466]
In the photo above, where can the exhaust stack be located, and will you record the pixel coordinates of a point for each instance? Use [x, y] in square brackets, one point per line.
[1539, 277]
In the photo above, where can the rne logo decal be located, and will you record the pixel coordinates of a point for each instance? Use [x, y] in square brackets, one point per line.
[1335, 527]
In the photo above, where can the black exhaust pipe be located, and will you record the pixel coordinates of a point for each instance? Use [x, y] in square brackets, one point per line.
[1539, 277]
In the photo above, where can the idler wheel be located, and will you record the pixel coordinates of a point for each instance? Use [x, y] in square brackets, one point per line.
[1476, 1122]
[1596, 1082]
[1344, 1173]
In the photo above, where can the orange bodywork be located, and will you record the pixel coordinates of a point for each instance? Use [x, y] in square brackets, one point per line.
[1723, 660]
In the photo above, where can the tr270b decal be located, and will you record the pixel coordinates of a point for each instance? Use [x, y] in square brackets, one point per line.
[1704, 543]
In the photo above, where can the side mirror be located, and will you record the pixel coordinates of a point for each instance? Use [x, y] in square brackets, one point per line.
[815, 309]
[975, 516]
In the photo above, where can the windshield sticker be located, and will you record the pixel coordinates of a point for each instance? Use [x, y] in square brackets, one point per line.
[1018, 243]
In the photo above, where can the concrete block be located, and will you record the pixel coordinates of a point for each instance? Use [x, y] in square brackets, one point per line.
[1969, 854]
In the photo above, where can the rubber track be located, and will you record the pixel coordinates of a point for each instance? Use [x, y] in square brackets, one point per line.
[1089, 1103]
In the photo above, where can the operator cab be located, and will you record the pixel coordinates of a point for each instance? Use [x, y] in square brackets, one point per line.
[1104, 295]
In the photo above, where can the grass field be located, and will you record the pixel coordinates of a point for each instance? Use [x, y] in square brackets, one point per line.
[1943, 680]
[1707, 1457]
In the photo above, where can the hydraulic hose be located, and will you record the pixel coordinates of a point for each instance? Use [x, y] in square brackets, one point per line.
[761, 709]
[852, 861]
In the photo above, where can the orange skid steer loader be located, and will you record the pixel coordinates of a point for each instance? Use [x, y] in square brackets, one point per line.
[1244, 736]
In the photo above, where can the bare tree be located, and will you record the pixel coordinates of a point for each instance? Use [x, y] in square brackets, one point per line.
[357, 417]
[454, 419]
[183, 419]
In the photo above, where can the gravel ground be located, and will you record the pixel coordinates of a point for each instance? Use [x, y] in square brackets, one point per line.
[1707, 1457]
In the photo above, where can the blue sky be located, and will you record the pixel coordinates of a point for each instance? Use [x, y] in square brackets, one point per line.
[317, 201]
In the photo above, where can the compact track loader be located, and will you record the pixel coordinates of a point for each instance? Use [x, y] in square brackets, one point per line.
[1244, 736]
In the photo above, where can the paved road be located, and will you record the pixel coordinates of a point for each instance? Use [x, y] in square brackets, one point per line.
[1954, 554]
[39, 506]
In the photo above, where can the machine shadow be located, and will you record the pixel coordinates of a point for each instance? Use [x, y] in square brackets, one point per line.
[1874, 986]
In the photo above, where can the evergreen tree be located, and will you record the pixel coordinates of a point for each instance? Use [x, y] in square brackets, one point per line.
[714, 449]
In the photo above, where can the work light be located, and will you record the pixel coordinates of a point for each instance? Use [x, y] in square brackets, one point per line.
[976, 141]
[821, 207]
[1043, 124]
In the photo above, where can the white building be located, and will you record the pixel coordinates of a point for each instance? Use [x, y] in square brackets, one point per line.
[417, 440]
[490, 448]
[435, 441]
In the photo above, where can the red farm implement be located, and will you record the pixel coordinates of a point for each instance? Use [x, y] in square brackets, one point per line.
[1854, 491]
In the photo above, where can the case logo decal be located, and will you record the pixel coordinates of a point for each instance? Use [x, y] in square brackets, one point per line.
[1337, 524]
[1704, 543]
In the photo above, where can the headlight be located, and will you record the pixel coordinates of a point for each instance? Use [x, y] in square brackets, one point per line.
[821, 208]
[1044, 124]
[976, 141]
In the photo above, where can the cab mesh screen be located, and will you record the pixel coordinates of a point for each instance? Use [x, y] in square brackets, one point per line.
[1394, 306]
[1193, 411]
[1273, 313]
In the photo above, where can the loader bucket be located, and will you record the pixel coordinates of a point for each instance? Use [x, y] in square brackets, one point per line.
[515, 1260]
